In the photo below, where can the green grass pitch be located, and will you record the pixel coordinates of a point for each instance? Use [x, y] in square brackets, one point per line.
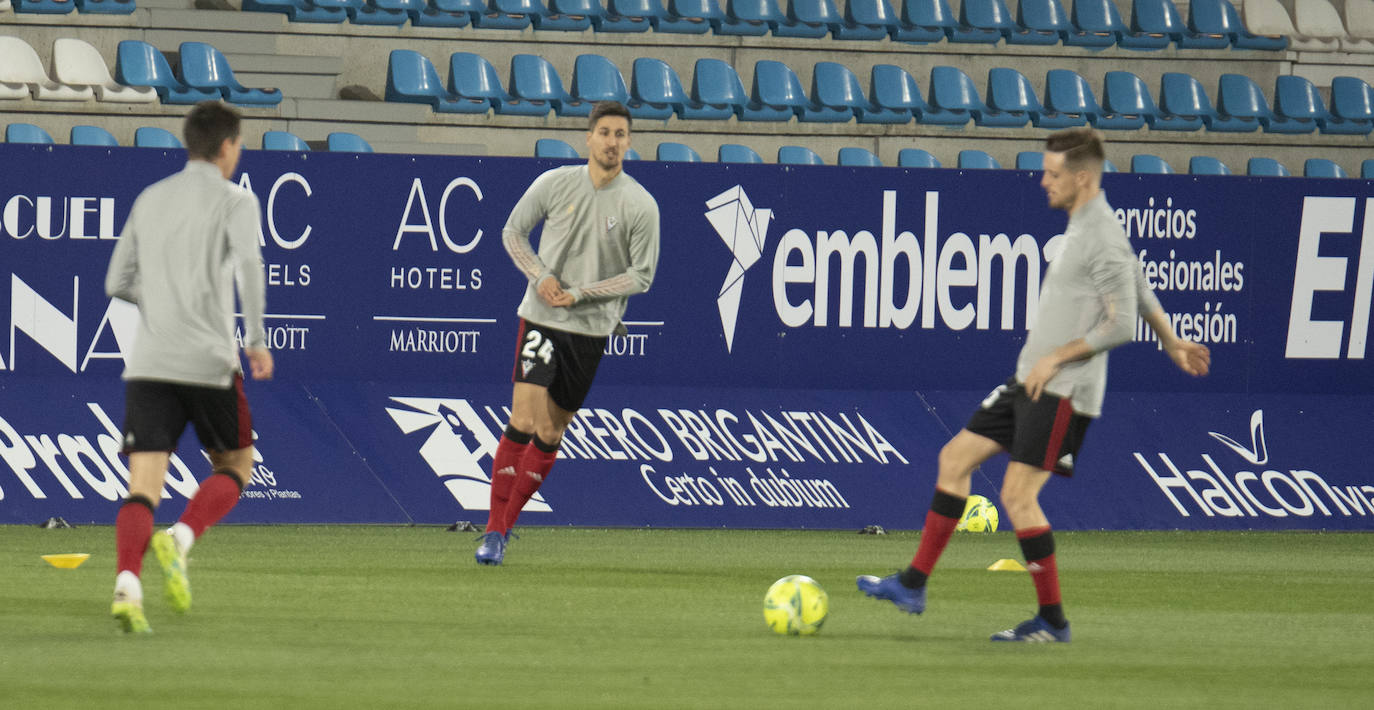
[378, 617]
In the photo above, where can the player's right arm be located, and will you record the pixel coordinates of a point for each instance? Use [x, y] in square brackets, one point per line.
[515, 236]
[121, 279]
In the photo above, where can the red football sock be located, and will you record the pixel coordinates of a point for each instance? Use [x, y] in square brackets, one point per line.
[945, 511]
[133, 529]
[1037, 544]
[218, 495]
[534, 470]
[504, 465]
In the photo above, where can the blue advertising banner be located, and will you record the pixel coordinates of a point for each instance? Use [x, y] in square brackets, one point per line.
[813, 337]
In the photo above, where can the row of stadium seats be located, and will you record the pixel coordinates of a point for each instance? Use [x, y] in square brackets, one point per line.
[63, 7]
[1154, 24]
[142, 74]
[968, 160]
[153, 137]
[655, 92]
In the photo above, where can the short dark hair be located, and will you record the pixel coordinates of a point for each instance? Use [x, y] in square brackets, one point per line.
[1082, 148]
[609, 108]
[207, 126]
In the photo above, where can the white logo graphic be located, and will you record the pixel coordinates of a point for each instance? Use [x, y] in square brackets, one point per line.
[744, 230]
[525, 366]
[610, 223]
[1256, 453]
[1066, 462]
[459, 447]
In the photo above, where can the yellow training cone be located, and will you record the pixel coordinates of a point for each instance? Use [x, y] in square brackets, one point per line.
[1006, 565]
[67, 561]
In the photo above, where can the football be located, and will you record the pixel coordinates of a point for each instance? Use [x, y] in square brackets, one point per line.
[980, 515]
[795, 606]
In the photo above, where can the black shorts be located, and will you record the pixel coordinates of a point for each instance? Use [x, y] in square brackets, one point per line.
[562, 362]
[1044, 434]
[156, 413]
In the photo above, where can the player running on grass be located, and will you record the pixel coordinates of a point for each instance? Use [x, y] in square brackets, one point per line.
[1088, 304]
[186, 239]
[599, 247]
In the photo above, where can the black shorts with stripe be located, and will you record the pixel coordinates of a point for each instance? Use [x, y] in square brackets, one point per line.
[564, 363]
[156, 413]
[1044, 434]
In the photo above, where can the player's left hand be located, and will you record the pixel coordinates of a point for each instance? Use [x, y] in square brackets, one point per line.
[553, 294]
[260, 363]
[1193, 358]
[1040, 375]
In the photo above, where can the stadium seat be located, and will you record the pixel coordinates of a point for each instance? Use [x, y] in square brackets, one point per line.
[1182, 104]
[380, 12]
[533, 80]
[655, 86]
[1108, 166]
[298, 10]
[924, 21]
[1269, 17]
[810, 18]
[595, 79]
[204, 67]
[977, 160]
[1318, 21]
[1030, 160]
[749, 17]
[1367, 169]
[1104, 35]
[508, 14]
[1102, 16]
[1011, 99]
[893, 88]
[92, 135]
[1358, 16]
[868, 20]
[1068, 100]
[1240, 105]
[27, 133]
[1150, 164]
[44, 7]
[554, 148]
[735, 153]
[446, 13]
[141, 64]
[342, 142]
[22, 73]
[1126, 102]
[689, 17]
[1322, 168]
[411, 78]
[77, 63]
[1298, 107]
[993, 17]
[1352, 102]
[1205, 165]
[627, 16]
[1210, 17]
[1160, 17]
[835, 94]
[777, 93]
[568, 15]
[858, 158]
[1044, 22]
[677, 153]
[471, 76]
[874, 111]
[106, 7]
[953, 97]
[916, 158]
[1265, 167]
[717, 92]
[283, 140]
[154, 137]
[798, 155]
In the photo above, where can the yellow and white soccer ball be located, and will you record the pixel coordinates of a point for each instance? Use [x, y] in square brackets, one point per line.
[795, 606]
[980, 515]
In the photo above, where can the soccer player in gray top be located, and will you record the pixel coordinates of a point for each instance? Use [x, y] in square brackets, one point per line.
[1089, 299]
[187, 237]
[599, 247]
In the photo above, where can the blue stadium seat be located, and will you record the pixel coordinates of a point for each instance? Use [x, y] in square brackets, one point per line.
[677, 153]
[1240, 105]
[1069, 101]
[204, 67]
[411, 78]
[1213, 17]
[534, 80]
[777, 94]
[1298, 107]
[298, 10]
[977, 160]
[43, 7]
[471, 76]
[567, 15]
[1183, 104]
[885, 80]
[717, 92]
[1206, 27]
[953, 96]
[92, 135]
[154, 137]
[554, 148]
[1126, 102]
[1265, 167]
[925, 21]
[1043, 22]
[735, 153]
[655, 86]
[595, 79]
[106, 7]
[1030, 160]
[893, 88]
[1011, 99]
[628, 16]
[138, 63]
[1367, 169]
[1150, 164]
[283, 140]
[693, 17]
[749, 17]
[383, 12]
[631, 154]
[1102, 16]
[508, 14]
[26, 133]
[798, 155]
[858, 158]
[1108, 166]
[1322, 168]
[1352, 105]
[835, 94]
[1151, 18]
[810, 18]
[343, 142]
[916, 158]
[1079, 36]
[446, 13]
[868, 20]
[1206, 165]
[993, 17]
